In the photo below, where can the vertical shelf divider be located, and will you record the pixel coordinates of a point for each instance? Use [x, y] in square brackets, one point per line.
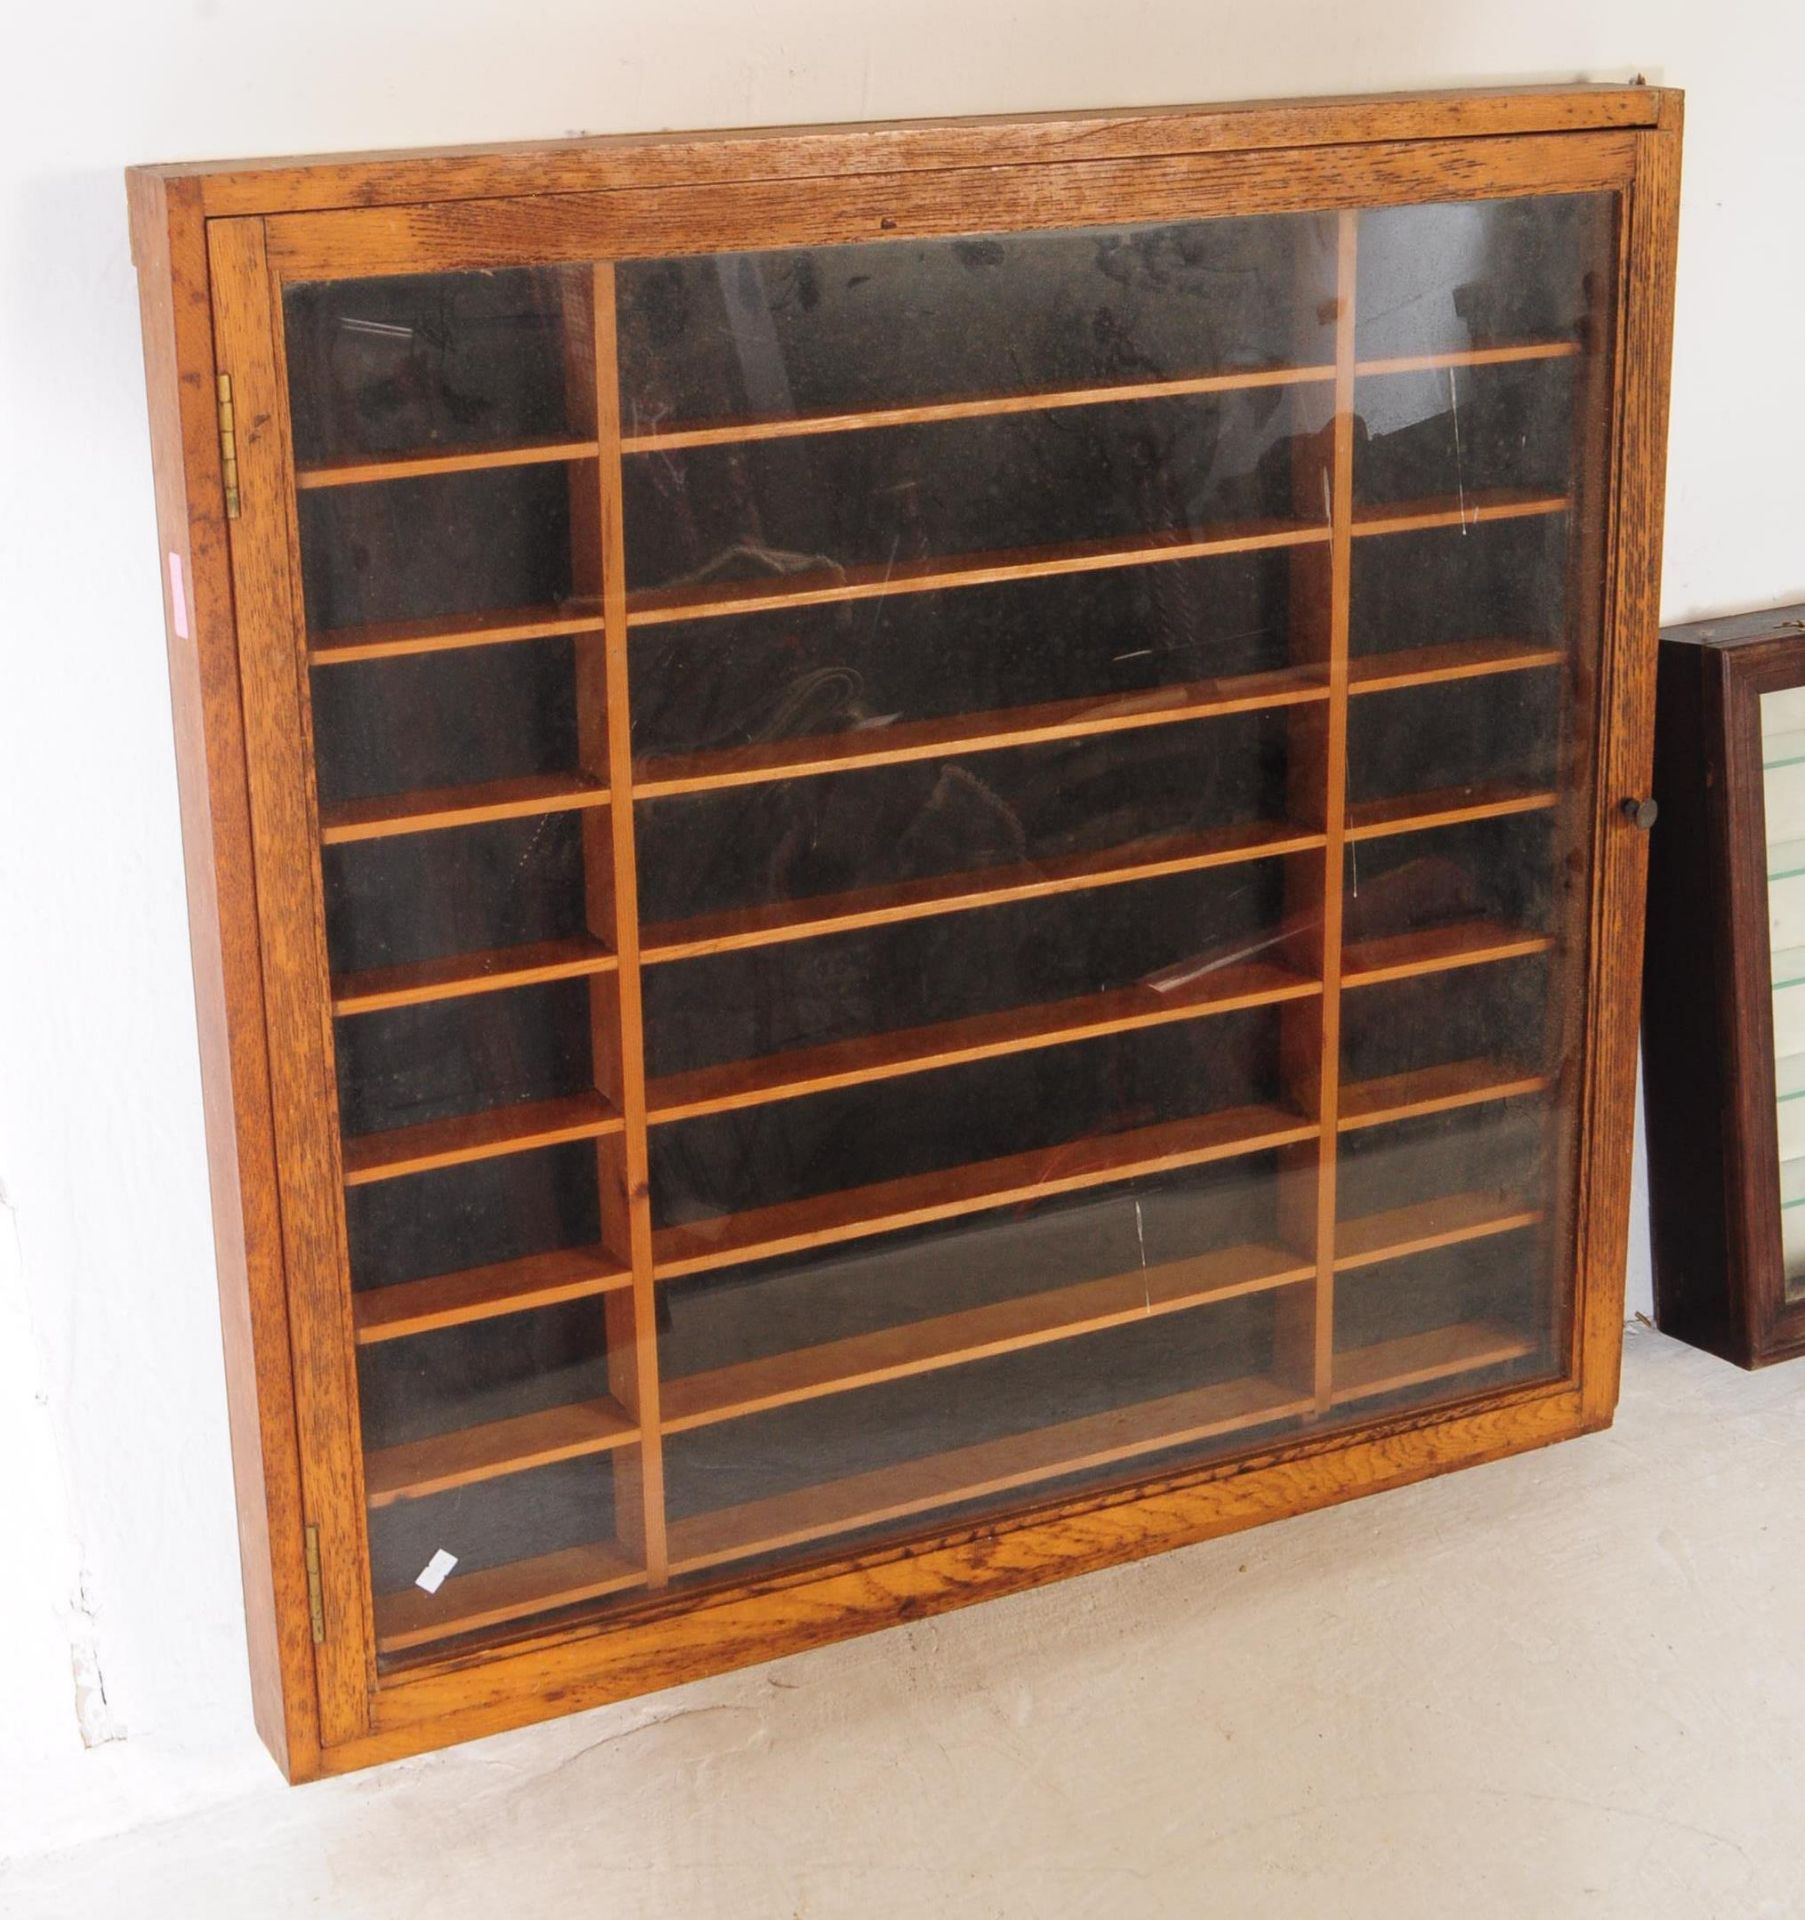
[1316, 798]
[1334, 723]
[612, 892]
[1306, 805]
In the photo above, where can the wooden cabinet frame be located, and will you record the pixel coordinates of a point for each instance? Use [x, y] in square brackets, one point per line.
[214, 244]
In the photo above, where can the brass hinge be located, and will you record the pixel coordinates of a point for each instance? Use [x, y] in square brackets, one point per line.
[228, 461]
[316, 1609]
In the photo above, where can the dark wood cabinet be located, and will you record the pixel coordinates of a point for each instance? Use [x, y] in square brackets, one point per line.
[1724, 988]
[907, 854]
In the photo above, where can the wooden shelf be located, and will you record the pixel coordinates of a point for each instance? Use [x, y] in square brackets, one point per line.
[658, 606]
[883, 1056]
[1464, 943]
[1424, 1225]
[363, 470]
[1418, 1358]
[496, 1447]
[1468, 357]
[484, 1293]
[808, 918]
[1439, 1089]
[714, 433]
[428, 809]
[975, 732]
[394, 639]
[1456, 510]
[477, 1136]
[1445, 807]
[491, 1596]
[971, 1473]
[1453, 660]
[977, 1333]
[853, 1213]
[376, 989]
[730, 432]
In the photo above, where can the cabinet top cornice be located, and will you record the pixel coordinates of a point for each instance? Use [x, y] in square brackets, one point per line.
[602, 163]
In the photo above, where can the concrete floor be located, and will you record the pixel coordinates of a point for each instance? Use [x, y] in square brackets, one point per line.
[1572, 1683]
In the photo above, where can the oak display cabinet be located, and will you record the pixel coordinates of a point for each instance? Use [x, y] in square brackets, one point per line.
[1724, 988]
[906, 850]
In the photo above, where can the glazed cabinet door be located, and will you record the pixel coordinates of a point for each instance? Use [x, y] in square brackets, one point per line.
[1780, 726]
[907, 877]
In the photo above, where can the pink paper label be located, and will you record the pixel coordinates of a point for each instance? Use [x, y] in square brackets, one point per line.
[178, 599]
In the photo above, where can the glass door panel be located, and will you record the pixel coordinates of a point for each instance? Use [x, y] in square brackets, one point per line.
[953, 869]
[1783, 806]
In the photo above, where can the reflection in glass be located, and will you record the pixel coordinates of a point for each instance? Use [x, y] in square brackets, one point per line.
[853, 1388]
[848, 503]
[978, 656]
[825, 329]
[1483, 273]
[1116, 797]
[421, 362]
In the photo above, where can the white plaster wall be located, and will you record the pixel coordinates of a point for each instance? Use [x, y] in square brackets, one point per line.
[118, 1580]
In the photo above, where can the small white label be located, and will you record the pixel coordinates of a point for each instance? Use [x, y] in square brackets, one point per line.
[178, 598]
[432, 1575]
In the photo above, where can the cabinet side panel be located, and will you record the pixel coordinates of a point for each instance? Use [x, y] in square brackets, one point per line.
[169, 245]
[1682, 994]
[1627, 698]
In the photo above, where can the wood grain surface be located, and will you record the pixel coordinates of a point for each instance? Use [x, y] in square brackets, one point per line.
[214, 246]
